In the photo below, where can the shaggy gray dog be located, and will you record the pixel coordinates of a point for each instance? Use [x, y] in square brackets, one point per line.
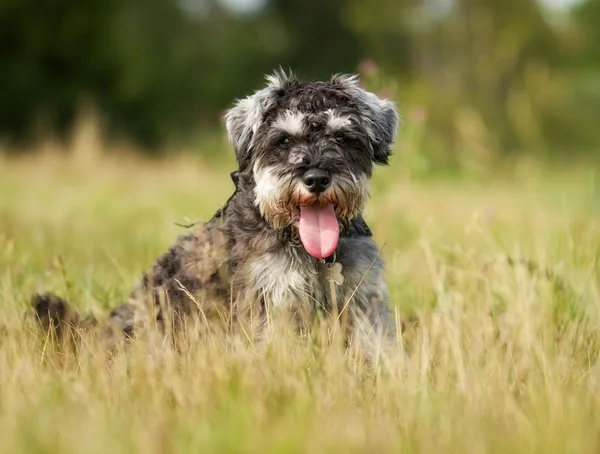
[291, 239]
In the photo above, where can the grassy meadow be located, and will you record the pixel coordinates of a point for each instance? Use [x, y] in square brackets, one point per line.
[499, 275]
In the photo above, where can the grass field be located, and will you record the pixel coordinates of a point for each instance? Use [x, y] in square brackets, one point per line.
[504, 357]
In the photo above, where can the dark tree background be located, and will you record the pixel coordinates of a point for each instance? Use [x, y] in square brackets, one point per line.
[159, 71]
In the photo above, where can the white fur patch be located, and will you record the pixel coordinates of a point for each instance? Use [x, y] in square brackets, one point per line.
[281, 280]
[291, 122]
[278, 78]
[268, 186]
[336, 121]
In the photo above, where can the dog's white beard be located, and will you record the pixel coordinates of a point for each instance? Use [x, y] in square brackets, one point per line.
[278, 198]
[272, 194]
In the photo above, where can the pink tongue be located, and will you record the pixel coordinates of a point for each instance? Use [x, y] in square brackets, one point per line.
[319, 231]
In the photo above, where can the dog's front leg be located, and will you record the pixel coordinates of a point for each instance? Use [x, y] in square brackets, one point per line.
[372, 328]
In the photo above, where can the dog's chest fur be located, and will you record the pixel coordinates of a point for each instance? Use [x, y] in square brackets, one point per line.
[275, 270]
[280, 279]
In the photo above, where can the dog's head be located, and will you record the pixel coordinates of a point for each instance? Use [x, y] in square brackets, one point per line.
[311, 148]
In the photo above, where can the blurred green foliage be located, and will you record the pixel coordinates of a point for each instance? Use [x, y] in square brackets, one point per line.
[477, 80]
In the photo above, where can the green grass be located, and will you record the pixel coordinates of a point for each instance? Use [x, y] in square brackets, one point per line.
[504, 358]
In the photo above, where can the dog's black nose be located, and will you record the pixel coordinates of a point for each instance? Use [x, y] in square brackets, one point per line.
[316, 180]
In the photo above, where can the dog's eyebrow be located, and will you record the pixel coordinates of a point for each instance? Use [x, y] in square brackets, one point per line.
[337, 121]
[291, 122]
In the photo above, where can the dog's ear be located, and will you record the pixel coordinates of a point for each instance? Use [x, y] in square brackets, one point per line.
[381, 116]
[245, 118]
[383, 127]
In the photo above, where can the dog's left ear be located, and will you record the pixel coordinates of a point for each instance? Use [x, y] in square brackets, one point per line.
[383, 128]
[245, 118]
[381, 116]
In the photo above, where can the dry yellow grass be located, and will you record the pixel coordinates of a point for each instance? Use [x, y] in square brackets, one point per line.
[504, 357]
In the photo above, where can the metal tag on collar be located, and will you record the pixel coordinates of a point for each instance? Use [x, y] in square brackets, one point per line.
[333, 270]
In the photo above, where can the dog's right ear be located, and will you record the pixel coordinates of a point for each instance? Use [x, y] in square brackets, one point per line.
[245, 118]
[242, 122]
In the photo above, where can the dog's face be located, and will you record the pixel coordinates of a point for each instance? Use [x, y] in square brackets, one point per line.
[311, 147]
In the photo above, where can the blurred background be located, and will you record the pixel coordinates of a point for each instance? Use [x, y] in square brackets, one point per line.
[480, 83]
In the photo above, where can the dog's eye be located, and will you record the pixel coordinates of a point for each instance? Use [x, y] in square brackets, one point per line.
[283, 141]
[339, 138]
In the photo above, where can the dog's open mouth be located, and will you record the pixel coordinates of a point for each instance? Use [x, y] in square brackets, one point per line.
[318, 229]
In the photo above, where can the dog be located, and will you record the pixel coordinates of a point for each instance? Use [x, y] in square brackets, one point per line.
[291, 239]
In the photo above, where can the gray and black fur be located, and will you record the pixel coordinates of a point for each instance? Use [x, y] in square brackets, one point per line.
[248, 259]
